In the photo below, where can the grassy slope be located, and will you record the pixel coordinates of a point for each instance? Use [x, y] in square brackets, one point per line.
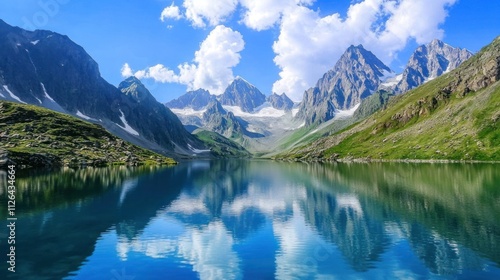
[34, 136]
[220, 146]
[425, 123]
[306, 135]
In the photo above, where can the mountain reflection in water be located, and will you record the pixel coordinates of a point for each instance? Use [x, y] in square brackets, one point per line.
[260, 219]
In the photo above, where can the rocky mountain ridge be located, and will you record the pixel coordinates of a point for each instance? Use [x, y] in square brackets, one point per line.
[452, 117]
[47, 69]
[429, 62]
[356, 75]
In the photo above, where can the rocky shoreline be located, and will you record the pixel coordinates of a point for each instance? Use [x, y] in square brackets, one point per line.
[47, 160]
[369, 160]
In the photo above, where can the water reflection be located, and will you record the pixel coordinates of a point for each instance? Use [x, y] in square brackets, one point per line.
[260, 219]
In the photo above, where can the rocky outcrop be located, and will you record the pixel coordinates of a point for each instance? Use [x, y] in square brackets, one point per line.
[36, 137]
[356, 75]
[196, 100]
[479, 72]
[280, 102]
[430, 61]
[47, 69]
[242, 94]
[218, 120]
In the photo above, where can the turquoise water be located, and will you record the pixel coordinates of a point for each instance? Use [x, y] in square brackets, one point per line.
[259, 220]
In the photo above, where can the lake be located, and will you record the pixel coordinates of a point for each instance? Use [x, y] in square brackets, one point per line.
[258, 220]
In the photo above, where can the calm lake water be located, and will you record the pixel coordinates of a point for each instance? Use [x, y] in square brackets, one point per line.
[258, 220]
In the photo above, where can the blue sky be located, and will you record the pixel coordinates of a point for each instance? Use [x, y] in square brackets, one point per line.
[280, 45]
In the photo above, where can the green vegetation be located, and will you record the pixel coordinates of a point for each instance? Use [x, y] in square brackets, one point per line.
[454, 117]
[220, 146]
[37, 137]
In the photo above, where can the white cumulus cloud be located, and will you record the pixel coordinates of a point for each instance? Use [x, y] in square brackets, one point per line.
[159, 73]
[214, 61]
[264, 14]
[126, 71]
[171, 12]
[202, 12]
[309, 44]
[212, 67]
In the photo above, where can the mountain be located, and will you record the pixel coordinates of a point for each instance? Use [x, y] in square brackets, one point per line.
[216, 119]
[47, 69]
[356, 75]
[154, 121]
[32, 136]
[430, 61]
[453, 117]
[242, 94]
[221, 146]
[281, 102]
[196, 100]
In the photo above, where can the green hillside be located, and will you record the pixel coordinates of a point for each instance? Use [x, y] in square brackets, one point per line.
[454, 117]
[37, 137]
[220, 146]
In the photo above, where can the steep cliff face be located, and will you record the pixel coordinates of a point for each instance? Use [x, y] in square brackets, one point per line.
[453, 117]
[242, 94]
[196, 100]
[281, 102]
[356, 75]
[47, 69]
[429, 62]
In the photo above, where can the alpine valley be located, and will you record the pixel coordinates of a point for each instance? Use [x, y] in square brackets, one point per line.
[443, 105]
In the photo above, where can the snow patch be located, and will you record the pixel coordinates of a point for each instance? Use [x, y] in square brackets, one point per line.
[301, 125]
[346, 113]
[295, 111]
[127, 127]
[386, 75]
[35, 42]
[46, 94]
[393, 81]
[264, 112]
[13, 95]
[241, 78]
[81, 115]
[188, 111]
[252, 128]
[197, 151]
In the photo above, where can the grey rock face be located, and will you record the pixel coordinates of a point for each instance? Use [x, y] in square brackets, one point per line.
[197, 100]
[355, 76]
[152, 119]
[430, 61]
[216, 119]
[243, 94]
[47, 69]
[281, 102]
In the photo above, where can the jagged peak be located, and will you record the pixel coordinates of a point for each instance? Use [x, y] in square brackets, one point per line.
[357, 52]
[133, 87]
[241, 79]
[355, 48]
[200, 90]
[436, 42]
[215, 106]
[129, 82]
